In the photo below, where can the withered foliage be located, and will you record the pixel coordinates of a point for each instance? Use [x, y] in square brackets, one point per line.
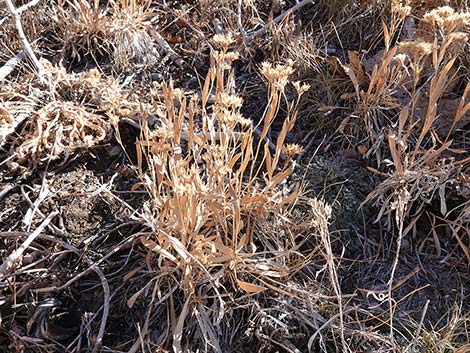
[224, 129]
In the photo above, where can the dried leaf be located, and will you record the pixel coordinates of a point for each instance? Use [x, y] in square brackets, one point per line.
[250, 287]
[151, 245]
[131, 301]
[178, 330]
[359, 69]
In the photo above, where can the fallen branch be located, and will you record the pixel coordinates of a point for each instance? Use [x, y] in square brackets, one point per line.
[27, 6]
[278, 19]
[239, 19]
[167, 48]
[15, 13]
[10, 65]
[20, 9]
[15, 255]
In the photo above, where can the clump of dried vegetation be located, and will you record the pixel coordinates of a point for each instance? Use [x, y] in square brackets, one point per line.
[68, 116]
[219, 214]
[270, 177]
[425, 167]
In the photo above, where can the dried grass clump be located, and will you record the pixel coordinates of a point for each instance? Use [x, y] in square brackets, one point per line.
[70, 115]
[231, 16]
[120, 32]
[220, 208]
[90, 89]
[453, 336]
[346, 25]
[56, 131]
[394, 78]
[374, 90]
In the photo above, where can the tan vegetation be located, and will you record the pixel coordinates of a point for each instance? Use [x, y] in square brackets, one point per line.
[234, 176]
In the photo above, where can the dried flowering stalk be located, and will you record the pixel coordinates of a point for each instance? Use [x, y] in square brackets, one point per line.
[423, 170]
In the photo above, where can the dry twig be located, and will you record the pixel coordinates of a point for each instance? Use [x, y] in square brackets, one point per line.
[15, 13]
[20, 9]
[10, 65]
[278, 19]
[15, 255]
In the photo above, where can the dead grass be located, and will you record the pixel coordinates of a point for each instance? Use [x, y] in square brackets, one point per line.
[120, 32]
[70, 115]
[241, 232]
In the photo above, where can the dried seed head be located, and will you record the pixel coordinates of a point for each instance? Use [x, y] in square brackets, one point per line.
[301, 88]
[401, 10]
[229, 101]
[231, 56]
[444, 11]
[457, 20]
[268, 71]
[278, 75]
[404, 11]
[277, 72]
[458, 37]
[436, 17]
[224, 58]
[291, 149]
[244, 121]
[226, 117]
[223, 41]
[418, 49]
[445, 17]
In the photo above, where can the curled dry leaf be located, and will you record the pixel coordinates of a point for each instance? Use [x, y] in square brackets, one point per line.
[56, 131]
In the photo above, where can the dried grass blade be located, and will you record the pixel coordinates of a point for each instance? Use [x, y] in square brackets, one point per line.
[178, 330]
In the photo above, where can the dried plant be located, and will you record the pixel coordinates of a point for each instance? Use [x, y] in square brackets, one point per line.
[213, 186]
[56, 131]
[374, 90]
[83, 27]
[425, 168]
[225, 249]
[120, 32]
[71, 115]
